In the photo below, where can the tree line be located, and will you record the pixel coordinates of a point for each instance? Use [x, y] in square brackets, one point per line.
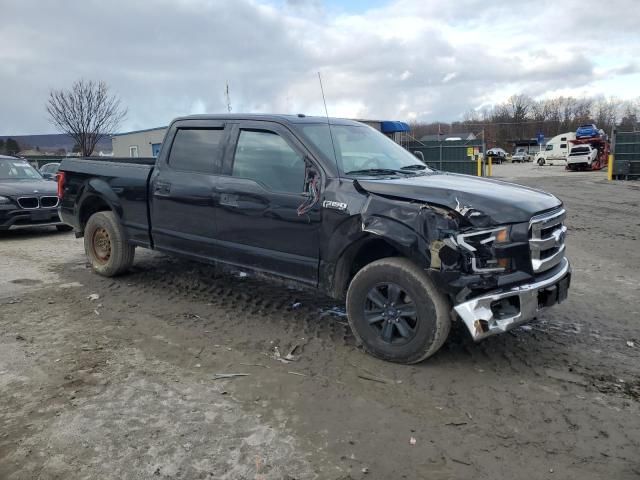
[522, 117]
[9, 147]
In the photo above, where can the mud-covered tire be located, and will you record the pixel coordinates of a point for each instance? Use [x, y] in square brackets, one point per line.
[64, 228]
[106, 245]
[432, 319]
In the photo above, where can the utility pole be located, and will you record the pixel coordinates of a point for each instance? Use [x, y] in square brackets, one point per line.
[228, 97]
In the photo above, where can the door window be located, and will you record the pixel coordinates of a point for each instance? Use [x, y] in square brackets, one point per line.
[197, 150]
[267, 158]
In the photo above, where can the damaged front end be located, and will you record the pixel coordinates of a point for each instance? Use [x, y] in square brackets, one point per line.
[484, 268]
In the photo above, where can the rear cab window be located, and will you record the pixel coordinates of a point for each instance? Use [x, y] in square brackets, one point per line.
[197, 150]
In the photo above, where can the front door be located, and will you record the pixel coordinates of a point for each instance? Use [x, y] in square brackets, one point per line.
[259, 220]
[182, 188]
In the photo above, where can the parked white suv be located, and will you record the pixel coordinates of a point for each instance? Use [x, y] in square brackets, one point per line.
[582, 156]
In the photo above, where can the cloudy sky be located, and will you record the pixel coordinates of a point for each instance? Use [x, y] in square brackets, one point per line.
[392, 59]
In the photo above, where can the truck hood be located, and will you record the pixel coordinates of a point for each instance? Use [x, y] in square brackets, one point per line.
[481, 200]
[16, 188]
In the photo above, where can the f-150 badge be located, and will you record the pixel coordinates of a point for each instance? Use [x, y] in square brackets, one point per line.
[334, 205]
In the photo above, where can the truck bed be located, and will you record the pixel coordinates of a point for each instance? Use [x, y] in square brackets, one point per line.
[122, 182]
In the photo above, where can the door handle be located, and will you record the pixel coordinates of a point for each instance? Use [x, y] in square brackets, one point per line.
[162, 188]
[229, 200]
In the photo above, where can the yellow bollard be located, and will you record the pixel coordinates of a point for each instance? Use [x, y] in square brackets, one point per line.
[490, 167]
[610, 168]
[479, 166]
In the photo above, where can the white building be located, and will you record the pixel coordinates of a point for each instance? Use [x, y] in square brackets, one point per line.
[139, 143]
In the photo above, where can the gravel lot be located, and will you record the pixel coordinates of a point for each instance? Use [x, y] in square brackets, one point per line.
[121, 384]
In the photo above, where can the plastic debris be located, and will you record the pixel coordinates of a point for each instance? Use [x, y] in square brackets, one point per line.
[630, 344]
[296, 305]
[412, 441]
[93, 296]
[365, 470]
[219, 376]
[371, 378]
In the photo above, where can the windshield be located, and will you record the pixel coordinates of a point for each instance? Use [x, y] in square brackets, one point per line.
[17, 170]
[362, 150]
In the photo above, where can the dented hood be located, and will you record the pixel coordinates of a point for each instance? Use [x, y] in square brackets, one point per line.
[501, 202]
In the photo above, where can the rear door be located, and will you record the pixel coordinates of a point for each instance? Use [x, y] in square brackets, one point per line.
[266, 181]
[182, 186]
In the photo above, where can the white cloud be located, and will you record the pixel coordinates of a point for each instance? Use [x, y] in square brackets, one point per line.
[408, 59]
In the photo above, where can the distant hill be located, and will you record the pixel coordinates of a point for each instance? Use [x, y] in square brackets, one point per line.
[53, 142]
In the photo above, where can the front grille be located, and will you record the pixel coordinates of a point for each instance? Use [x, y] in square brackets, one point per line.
[28, 202]
[546, 240]
[48, 202]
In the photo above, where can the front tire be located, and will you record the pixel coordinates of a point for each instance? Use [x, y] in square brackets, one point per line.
[106, 245]
[541, 161]
[396, 312]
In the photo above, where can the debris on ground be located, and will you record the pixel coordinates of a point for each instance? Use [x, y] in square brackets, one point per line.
[296, 305]
[413, 441]
[631, 344]
[365, 470]
[289, 357]
[371, 378]
[254, 365]
[93, 296]
[456, 424]
[299, 374]
[457, 460]
[219, 376]
[20, 337]
[336, 311]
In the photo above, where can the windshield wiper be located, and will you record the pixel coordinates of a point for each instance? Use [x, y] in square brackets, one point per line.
[376, 171]
[415, 166]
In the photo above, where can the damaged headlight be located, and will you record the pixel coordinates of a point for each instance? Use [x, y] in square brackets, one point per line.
[483, 248]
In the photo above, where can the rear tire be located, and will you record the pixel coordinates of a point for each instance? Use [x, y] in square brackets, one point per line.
[106, 245]
[407, 330]
[541, 161]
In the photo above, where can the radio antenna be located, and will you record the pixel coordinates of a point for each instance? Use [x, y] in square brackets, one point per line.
[326, 112]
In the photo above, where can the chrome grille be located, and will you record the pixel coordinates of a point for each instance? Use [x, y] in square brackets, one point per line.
[28, 202]
[48, 202]
[546, 240]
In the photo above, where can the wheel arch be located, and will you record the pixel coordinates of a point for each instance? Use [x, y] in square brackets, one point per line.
[366, 250]
[97, 196]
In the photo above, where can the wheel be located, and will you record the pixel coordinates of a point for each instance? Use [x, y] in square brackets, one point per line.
[396, 312]
[64, 228]
[106, 246]
[541, 161]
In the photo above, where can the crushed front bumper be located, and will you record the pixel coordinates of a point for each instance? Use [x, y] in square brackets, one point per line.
[496, 313]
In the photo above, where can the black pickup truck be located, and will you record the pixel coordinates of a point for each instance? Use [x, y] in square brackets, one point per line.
[335, 205]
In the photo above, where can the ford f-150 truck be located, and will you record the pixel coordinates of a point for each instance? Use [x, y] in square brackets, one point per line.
[335, 205]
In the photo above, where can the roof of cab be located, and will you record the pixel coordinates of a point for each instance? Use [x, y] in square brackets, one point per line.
[297, 119]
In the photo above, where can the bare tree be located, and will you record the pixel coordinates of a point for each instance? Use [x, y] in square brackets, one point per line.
[87, 113]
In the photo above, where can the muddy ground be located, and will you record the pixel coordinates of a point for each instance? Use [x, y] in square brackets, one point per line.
[122, 384]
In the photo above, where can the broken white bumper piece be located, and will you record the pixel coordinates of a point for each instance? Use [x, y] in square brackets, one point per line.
[497, 313]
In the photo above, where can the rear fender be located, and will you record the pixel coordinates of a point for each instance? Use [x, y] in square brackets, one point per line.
[97, 188]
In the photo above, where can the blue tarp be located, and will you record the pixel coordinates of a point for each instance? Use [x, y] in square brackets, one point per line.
[389, 126]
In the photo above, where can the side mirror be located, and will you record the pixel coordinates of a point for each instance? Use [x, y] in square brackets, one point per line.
[48, 176]
[419, 155]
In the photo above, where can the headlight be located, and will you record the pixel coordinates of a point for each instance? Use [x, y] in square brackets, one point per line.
[4, 200]
[480, 247]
